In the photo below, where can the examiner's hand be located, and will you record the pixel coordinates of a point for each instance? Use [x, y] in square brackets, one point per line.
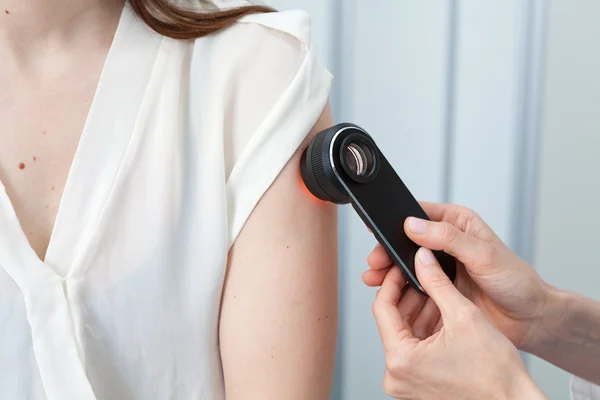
[467, 359]
[506, 289]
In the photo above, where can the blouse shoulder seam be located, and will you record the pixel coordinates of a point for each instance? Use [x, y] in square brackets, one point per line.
[299, 23]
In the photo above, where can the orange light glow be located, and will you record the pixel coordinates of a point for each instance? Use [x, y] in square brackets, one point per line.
[307, 191]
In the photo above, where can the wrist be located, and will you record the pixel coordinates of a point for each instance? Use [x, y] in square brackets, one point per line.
[548, 325]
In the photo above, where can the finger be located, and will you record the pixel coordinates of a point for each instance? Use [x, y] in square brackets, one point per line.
[411, 304]
[445, 236]
[442, 212]
[385, 308]
[465, 219]
[379, 259]
[437, 284]
[426, 320]
[374, 278]
[438, 325]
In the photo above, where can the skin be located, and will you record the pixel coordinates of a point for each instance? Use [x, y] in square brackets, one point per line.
[52, 54]
[279, 308]
[412, 363]
[287, 350]
[561, 327]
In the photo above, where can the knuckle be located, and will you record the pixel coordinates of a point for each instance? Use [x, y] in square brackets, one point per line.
[395, 388]
[467, 218]
[395, 365]
[449, 233]
[474, 225]
[377, 305]
[468, 314]
[398, 364]
[460, 212]
[465, 212]
[489, 255]
[455, 209]
[439, 280]
[470, 214]
[390, 385]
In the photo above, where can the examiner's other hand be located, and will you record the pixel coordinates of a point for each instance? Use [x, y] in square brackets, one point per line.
[467, 359]
[506, 289]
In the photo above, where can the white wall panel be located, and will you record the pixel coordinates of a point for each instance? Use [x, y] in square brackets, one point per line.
[568, 217]
[487, 89]
[393, 83]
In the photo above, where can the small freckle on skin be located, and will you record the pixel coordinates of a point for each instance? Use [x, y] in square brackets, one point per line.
[47, 205]
[21, 166]
[6, 12]
[43, 132]
[52, 187]
[34, 158]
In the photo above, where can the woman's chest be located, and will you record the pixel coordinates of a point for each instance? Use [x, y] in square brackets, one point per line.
[136, 261]
[142, 292]
[42, 122]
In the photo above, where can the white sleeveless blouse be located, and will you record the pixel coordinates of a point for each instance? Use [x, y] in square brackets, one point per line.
[182, 140]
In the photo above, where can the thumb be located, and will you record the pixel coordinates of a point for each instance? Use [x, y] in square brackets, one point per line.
[437, 284]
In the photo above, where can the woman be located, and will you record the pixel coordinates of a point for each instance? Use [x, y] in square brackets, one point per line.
[462, 341]
[136, 261]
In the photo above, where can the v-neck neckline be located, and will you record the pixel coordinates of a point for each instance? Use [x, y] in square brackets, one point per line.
[98, 159]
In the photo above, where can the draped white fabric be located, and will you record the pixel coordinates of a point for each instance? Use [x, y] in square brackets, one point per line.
[182, 140]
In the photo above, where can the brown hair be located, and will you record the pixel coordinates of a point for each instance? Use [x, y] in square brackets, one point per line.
[181, 23]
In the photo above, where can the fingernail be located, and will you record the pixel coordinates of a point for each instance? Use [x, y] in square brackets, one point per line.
[427, 257]
[417, 225]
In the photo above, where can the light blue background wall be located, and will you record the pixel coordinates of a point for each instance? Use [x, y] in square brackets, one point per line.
[567, 219]
[473, 102]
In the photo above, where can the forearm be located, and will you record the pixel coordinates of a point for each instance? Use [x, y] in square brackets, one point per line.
[569, 336]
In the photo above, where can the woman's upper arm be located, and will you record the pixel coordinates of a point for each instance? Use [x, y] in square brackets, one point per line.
[279, 309]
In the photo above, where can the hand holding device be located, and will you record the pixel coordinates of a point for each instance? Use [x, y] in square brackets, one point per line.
[507, 289]
[467, 359]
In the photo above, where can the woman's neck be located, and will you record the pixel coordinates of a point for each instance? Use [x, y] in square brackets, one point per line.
[32, 29]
